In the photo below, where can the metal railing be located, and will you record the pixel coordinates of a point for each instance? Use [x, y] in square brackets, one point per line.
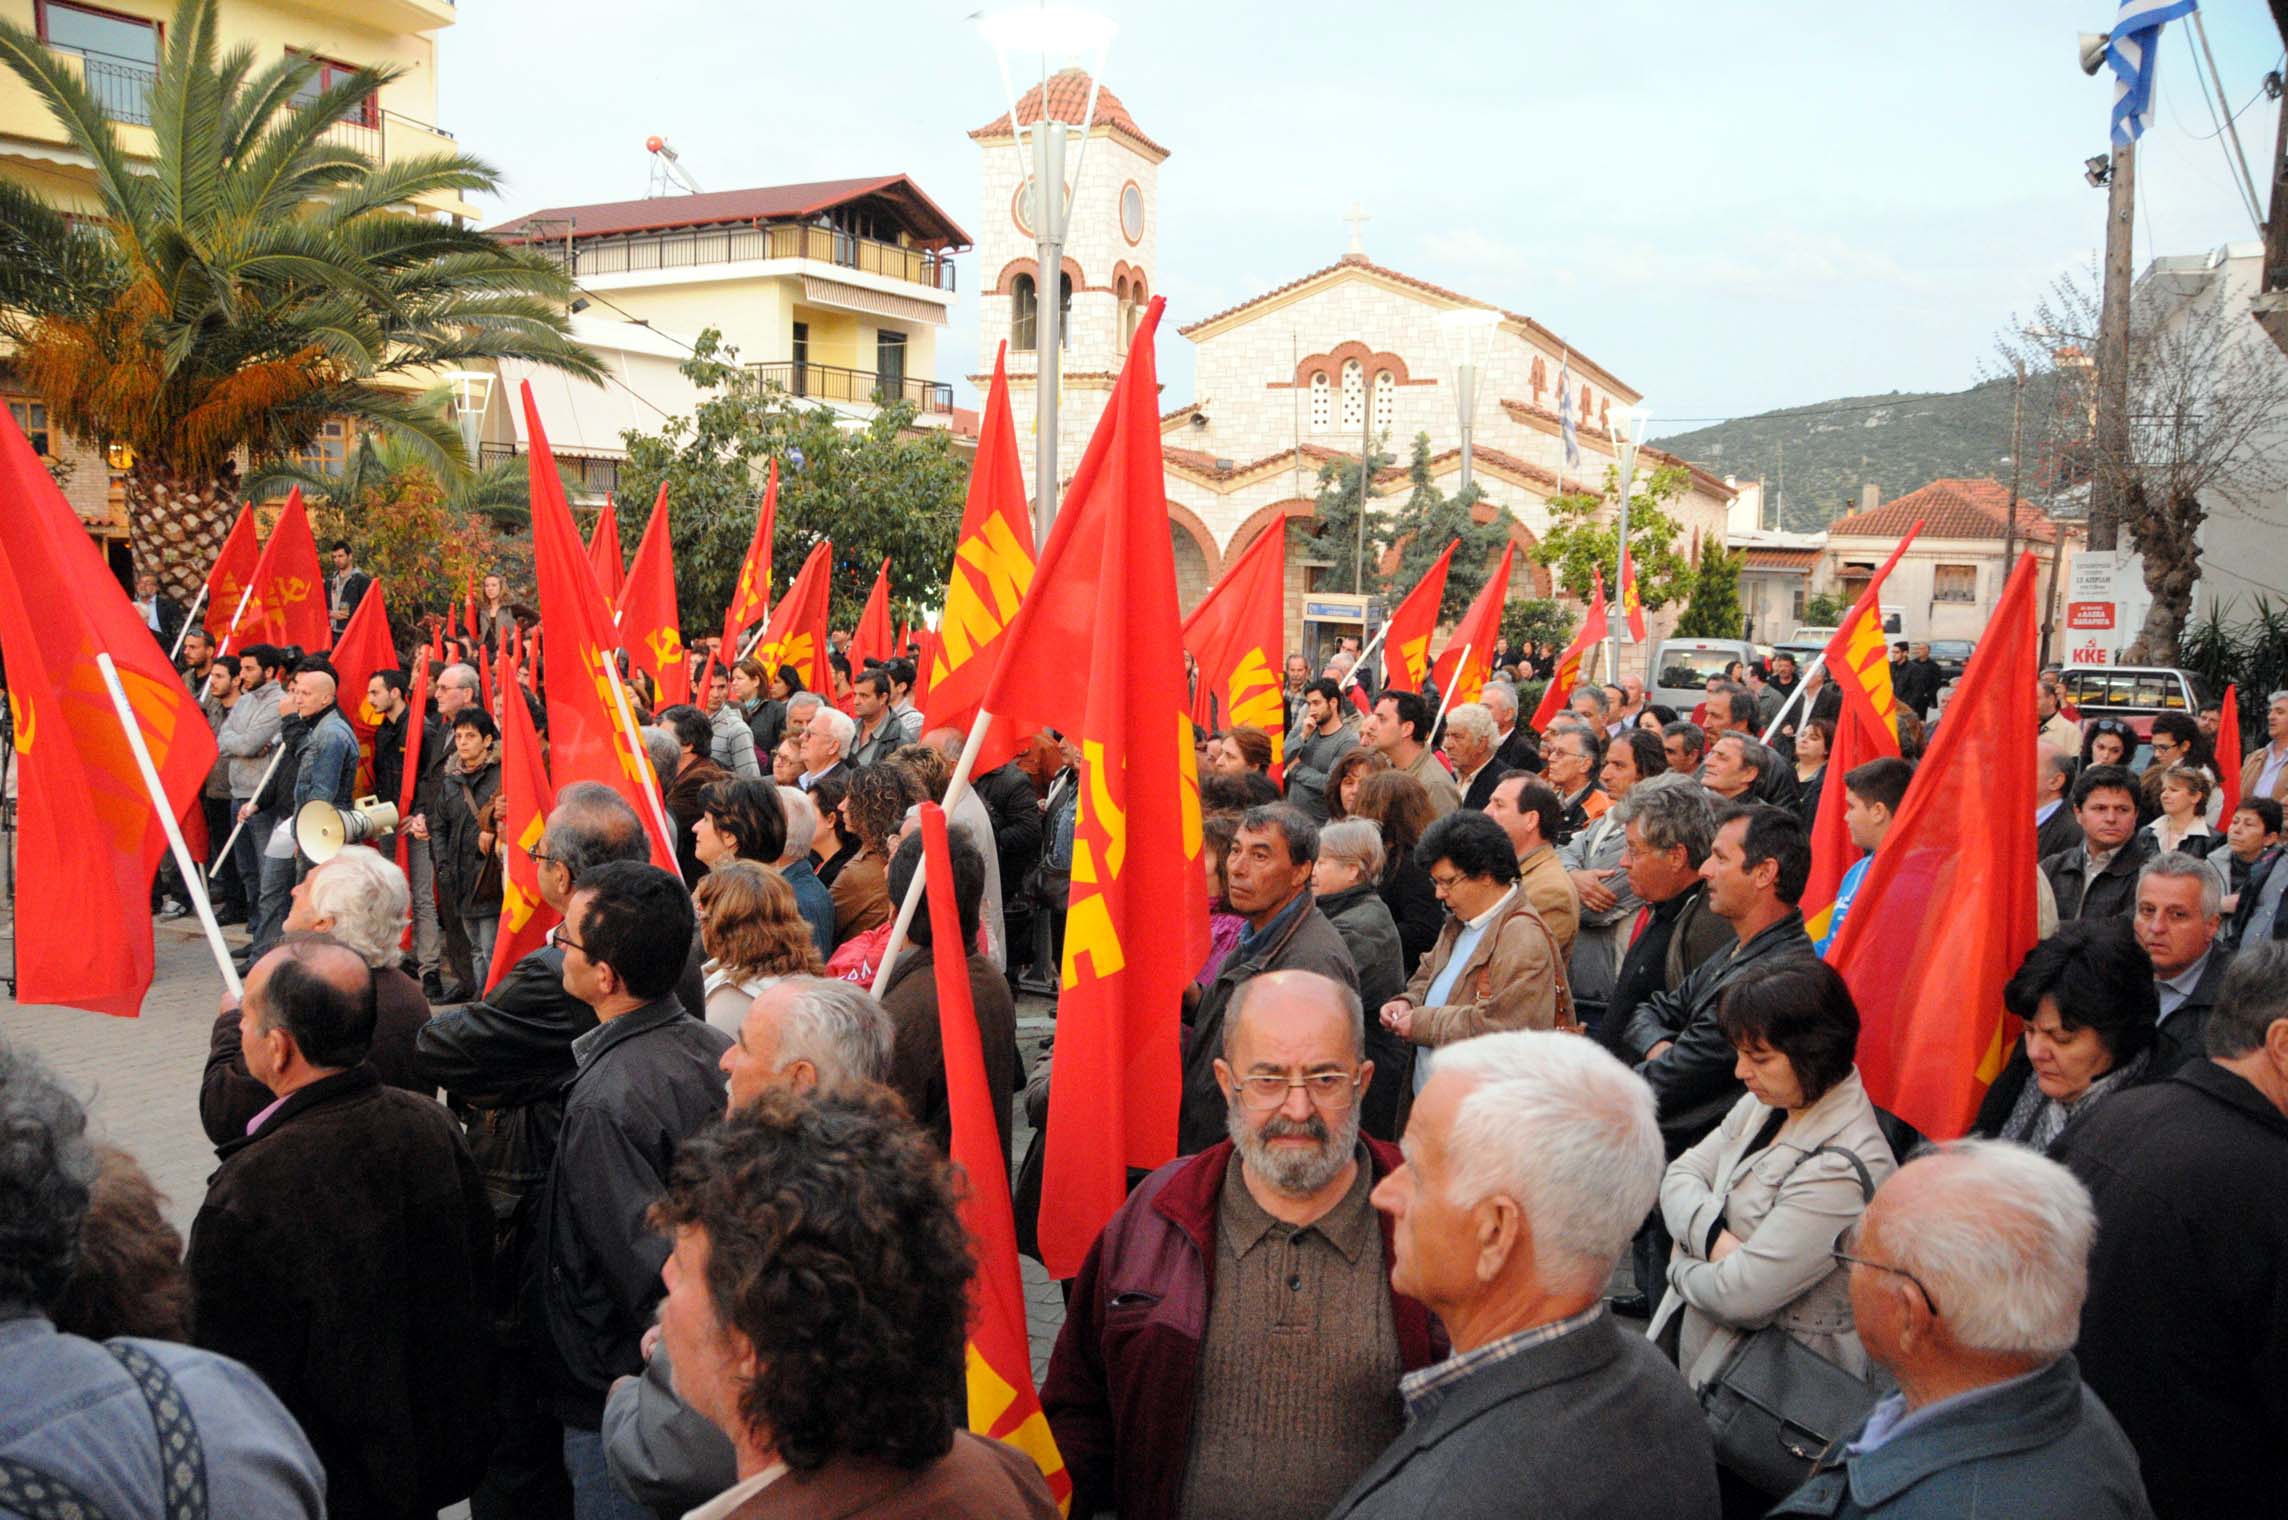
[831, 382]
[687, 248]
[352, 133]
[590, 473]
[121, 86]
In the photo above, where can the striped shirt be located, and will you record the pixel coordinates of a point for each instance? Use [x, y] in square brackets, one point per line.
[1422, 1390]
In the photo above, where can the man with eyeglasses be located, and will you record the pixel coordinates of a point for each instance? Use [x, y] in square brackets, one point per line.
[1967, 1276]
[1233, 1339]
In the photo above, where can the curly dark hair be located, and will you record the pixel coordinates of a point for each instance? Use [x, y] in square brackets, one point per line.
[836, 1248]
[879, 797]
[47, 1172]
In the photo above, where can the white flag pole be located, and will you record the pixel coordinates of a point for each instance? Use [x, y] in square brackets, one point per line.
[189, 618]
[954, 790]
[193, 882]
[1802, 686]
[1446, 697]
[277, 753]
[1359, 664]
[232, 631]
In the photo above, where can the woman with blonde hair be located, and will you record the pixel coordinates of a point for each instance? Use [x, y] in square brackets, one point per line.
[753, 933]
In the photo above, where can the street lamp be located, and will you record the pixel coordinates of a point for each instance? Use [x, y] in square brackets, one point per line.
[1052, 34]
[1626, 429]
[472, 397]
[1466, 323]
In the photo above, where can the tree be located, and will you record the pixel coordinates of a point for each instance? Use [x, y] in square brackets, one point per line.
[1536, 620]
[883, 489]
[254, 280]
[2208, 398]
[1825, 609]
[1714, 609]
[1427, 522]
[1584, 535]
[1335, 536]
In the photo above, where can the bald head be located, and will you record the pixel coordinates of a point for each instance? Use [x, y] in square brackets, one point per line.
[313, 692]
[318, 992]
[947, 742]
[1293, 1005]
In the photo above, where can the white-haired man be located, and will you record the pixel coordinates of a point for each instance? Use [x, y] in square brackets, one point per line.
[811, 899]
[1473, 744]
[1530, 1158]
[808, 1033]
[1967, 1277]
[1515, 747]
[826, 741]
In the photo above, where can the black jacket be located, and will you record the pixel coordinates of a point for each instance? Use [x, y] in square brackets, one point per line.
[1915, 683]
[341, 1253]
[1483, 783]
[1681, 933]
[389, 754]
[1413, 902]
[1518, 752]
[1693, 1079]
[277, 795]
[2059, 832]
[2184, 1334]
[229, 1096]
[1305, 942]
[2258, 875]
[643, 1083]
[1371, 935]
[2184, 1033]
[468, 878]
[2112, 893]
[1015, 809]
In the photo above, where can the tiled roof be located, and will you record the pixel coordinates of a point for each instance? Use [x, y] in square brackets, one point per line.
[1952, 508]
[764, 203]
[1068, 102]
[1797, 560]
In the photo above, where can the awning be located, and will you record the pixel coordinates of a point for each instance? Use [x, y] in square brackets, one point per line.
[640, 393]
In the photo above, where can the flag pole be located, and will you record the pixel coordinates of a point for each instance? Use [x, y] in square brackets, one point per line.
[193, 881]
[955, 787]
[232, 631]
[1446, 697]
[1359, 664]
[184, 632]
[634, 735]
[277, 753]
[1801, 686]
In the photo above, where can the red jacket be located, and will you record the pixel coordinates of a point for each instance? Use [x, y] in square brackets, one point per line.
[1120, 1384]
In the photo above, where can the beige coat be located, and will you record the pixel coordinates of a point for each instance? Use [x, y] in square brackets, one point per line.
[1542, 875]
[1514, 979]
[1436, 780]
[1787, 1212]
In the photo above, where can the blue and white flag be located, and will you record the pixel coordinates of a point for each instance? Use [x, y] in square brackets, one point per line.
[1565, 410]
[2133, 52]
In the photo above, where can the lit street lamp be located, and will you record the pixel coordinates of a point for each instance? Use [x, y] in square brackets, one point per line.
[472, 391]
[1466, 323]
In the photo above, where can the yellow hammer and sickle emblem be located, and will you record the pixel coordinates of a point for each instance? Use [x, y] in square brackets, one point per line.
[665, 644]
[1414, 654]
[290, 588]
[20, 706]
[1255, 699]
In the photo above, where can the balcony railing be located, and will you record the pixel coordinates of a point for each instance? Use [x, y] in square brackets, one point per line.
[592, 474]
[121, 86]
[829, 382]
[688, 248]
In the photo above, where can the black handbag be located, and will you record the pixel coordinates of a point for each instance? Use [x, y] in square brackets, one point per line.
[1776, 1404]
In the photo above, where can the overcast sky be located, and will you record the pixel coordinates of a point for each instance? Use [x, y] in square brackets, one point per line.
[1732, 206]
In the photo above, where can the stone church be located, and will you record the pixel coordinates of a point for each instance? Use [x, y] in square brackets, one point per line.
[1286, 381]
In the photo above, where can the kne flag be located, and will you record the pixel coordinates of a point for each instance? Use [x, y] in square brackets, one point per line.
[1469, 657]
[1237, 635]
[603, 557]
[1096, 651]
[1003, 1403]
[1406, 639]
[1568, 672]
[591, 727]
[88, 836]
[232, 573]
[751, 594]
[289, 601]
[1857, 660]
[1946, 911]
[363, 648]
[1632, 605]
[992, 571]
[797, 632]
[651, 630]
[2228, 753]
[526, 799]
[874, 642]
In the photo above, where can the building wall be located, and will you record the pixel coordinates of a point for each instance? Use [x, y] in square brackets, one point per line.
[1914, 581]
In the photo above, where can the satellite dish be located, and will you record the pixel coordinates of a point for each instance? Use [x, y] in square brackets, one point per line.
[2093, 46]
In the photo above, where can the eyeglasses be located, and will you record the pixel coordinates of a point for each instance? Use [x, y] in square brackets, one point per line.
[1330, 1090]
[1447, 882]
[563, 941]
[1845, 1258]
[538, 857]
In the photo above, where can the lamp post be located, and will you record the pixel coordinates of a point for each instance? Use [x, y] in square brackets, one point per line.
[1466, 323]
[1052, 34]
[1626, 441]
[472, 396]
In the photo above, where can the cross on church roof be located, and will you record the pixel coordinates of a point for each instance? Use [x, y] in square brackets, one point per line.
[1358, 219]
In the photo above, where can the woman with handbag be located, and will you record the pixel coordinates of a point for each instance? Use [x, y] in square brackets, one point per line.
[1758, 1311]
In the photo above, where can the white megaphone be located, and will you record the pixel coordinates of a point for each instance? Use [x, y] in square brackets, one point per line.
[321, 829]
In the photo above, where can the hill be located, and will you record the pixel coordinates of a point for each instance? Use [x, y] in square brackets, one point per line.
[1813, 459]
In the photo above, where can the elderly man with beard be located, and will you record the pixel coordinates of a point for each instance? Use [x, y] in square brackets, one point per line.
[1234, 1345]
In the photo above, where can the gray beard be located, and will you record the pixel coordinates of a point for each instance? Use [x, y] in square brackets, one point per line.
[1295, 1175]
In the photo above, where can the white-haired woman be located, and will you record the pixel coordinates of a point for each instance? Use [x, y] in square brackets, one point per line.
[1344, 880]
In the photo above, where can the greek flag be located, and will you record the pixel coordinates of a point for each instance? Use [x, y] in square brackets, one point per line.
[1565, 407]
[2135, 41]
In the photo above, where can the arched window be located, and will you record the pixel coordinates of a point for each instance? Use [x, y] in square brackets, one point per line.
[1120, 329]
[1354, 394]
[1385, 400]
[1024, 313]
[1322, 403]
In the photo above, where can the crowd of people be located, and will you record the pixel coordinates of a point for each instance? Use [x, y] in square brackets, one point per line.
[1524, 1164]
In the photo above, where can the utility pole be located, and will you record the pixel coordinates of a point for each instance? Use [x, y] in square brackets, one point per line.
[1365, 478]
[2010, 508]
[1048, 286]
[2109, 479]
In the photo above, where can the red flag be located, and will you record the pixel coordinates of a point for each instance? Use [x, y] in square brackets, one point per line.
[526, 798]
[364, 648]
[1857, 660]
[2228, 752]
[925, 655]
[416, 714]
[1946, 910]
[1475, 636]
[604, 555]
[591, 731]
[289, 601]
[1632, 606]
[485, 674]
[1238, 634]
[233, 572]
[873, 642]
[797, 632]
[469, 608]
[650, 628]
[1568, 672]
[1406, 642]
[1096, 651]
[89, 838]
[751, 596]
[1003, 1403]
[992, 570]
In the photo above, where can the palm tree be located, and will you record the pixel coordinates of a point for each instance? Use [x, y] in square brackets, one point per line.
[254, 280]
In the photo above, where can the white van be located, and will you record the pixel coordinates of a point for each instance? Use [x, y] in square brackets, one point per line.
[1681, 668]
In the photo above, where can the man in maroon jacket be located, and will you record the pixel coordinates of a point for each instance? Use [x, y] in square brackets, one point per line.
[1233, 1346]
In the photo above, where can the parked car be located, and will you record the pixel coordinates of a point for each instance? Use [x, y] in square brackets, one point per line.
[2135, 693]
[1952, 656]
[1681, 668]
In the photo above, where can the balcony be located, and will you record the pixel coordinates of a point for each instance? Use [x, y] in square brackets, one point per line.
[641, 253]
[582, 474]
[829, 382]
[121, 86]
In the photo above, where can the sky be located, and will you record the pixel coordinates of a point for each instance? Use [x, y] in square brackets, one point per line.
[1733, 207]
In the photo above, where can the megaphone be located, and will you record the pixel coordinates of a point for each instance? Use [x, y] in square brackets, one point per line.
[321, 829]
[2093, 45]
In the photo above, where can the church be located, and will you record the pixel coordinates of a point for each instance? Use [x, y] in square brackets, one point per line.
[1289, 380]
